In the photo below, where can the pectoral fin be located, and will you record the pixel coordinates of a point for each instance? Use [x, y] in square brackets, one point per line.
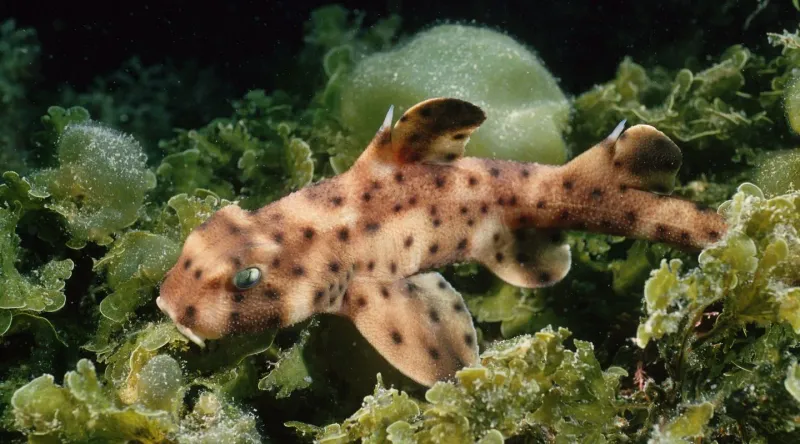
[419, 324]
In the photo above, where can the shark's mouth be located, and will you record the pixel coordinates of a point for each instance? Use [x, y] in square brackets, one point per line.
[186, 331]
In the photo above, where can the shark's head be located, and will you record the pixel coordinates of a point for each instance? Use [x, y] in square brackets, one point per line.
[226, 280]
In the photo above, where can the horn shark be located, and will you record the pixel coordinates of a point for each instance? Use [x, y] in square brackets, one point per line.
[362, 244]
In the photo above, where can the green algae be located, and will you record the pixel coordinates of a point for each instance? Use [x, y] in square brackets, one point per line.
[715, 353]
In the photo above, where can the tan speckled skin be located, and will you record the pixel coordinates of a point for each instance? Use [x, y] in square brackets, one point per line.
[358, 244]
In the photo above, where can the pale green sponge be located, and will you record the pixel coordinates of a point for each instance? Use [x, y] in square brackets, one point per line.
[526, 110]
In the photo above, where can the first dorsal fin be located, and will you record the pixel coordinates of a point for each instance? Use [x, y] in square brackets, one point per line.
[419, 324]
[436, 130]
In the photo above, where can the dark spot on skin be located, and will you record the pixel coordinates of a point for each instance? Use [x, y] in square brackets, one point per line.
[563, 215]
[685, 237]
[385, 292]
[371, 265]
[393, 267]
[308, 233]
[278, 237]
[341, 287]
[408, 242]
[376, 185]
[540, 204]
[458, 306]
[198, 273]
[713, 234]
[235, 317]
[484, 208]
[298, 270]
[404, 118]
[344, 234]
[442, 284]
[190, 311]
[462, 244]
[187, 263]
[630, 216]
[434, 354]
[596, 193]
[318, 295]
[398, 177]
[496, 237]
[397, 338]
[236, 262]
[334, 267]
[525, 173]
[337, 201]
[271, 293]
[414, 138]
[523, 258]
[450, 157]
[332, 299]
[361, 302]
[472, 181]
[434, 315]
[468, 339]
[623, 188]
[494, 172]
[459, 136]
[436, 223]
[238, 297]
[617, 163]
[512, 201]
[425, 112]
[568, 184]
[463, 210]
[412, 201]
[366, 196]
[372, 227]
[273, 322]
[433, 248]
[661, 232]
[276, 263]
[411, 288]
[439, 181]
[433, 210]
[501, 201]
[470, 222]
[703, 208]
[233, 229]
[544, 277]
[499, 257]
[397, 208]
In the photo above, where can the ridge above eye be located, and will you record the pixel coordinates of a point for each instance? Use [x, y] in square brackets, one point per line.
[247, 278]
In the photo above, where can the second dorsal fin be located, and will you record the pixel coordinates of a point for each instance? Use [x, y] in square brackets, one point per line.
[436, 130]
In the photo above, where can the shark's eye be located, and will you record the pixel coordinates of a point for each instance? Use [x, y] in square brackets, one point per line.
[247, 278]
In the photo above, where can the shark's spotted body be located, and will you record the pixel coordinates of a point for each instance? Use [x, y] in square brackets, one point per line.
[358, 244]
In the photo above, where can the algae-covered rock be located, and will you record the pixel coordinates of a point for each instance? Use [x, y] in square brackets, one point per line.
[526, 110]
[100, 184]
[779, 172]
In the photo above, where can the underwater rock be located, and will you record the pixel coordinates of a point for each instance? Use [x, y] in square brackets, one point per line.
[528, 112]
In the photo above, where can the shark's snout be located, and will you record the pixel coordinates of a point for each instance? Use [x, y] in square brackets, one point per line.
[186, 331]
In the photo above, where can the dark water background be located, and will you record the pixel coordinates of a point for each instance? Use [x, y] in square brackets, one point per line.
[251, 42]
